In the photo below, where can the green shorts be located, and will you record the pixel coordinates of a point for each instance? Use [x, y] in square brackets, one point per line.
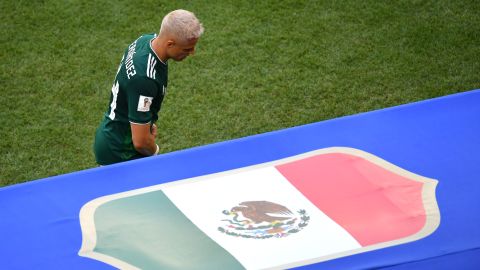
[112, 145]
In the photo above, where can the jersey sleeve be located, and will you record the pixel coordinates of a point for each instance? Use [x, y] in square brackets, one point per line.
[140, 95]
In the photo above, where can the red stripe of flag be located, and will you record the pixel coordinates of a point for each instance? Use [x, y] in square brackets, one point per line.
[372, 203]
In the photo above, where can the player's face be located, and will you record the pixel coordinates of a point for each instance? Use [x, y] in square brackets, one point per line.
[180, 50]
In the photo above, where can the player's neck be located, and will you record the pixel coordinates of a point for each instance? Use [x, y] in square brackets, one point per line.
[159, 50]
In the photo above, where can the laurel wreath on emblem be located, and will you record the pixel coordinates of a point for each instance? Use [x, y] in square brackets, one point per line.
[263, 220]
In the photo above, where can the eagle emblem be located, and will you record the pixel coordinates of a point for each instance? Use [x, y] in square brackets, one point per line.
[262, 220]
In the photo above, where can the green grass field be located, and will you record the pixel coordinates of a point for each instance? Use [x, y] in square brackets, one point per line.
[260, 66]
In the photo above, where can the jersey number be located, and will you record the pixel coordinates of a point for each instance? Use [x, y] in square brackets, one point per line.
[114, 101]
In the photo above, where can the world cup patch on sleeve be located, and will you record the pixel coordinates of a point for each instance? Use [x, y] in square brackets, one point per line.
[144, 103]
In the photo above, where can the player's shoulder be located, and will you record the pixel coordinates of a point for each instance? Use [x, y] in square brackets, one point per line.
[142, 80]
[144, 58]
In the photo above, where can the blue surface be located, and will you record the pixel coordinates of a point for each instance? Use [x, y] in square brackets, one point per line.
[437, 138]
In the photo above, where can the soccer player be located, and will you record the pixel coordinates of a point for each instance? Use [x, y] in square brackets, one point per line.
[128, 128]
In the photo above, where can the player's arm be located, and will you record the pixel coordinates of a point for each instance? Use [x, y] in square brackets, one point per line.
[141, 94]
[143, 137]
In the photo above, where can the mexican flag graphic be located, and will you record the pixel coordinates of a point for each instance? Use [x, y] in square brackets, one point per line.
[309, 208]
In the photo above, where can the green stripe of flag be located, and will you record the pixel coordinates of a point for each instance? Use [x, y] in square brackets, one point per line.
[167, 239]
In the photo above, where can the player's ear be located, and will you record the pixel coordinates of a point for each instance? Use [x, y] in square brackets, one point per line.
[170, 43]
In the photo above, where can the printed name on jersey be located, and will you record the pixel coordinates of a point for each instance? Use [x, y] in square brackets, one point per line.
[129, 67]
[151, 66]
[144, 103]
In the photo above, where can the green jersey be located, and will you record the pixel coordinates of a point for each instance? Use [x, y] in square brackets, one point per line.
[137, 94]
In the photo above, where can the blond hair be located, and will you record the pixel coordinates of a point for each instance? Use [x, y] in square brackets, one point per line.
[182, 24]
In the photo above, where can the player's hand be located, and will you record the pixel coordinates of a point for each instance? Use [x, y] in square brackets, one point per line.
[153, 130]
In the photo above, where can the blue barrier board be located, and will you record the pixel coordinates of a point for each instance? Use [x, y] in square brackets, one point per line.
[437, 139]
